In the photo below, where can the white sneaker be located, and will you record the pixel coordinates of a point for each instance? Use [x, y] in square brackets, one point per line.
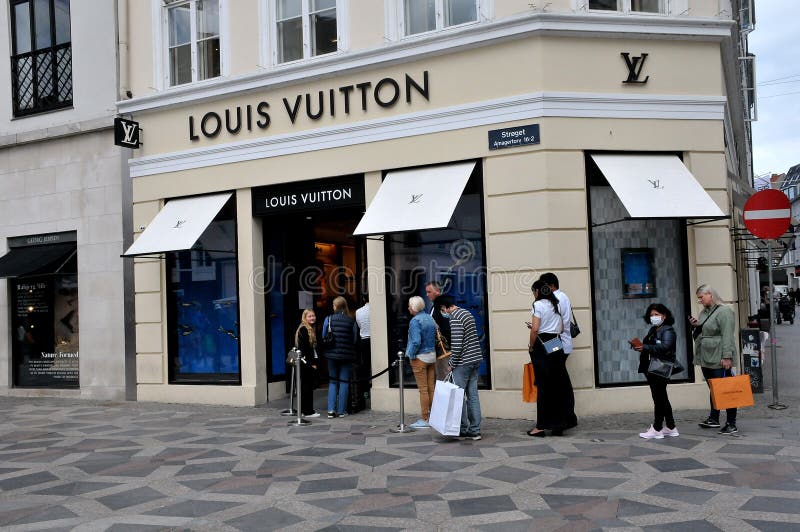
[651, 434]
[420, 424]
[670, 432]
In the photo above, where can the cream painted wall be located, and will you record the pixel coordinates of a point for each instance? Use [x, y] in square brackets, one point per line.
[593, 66]
[140, 50]
[366, 24]
[243, 28]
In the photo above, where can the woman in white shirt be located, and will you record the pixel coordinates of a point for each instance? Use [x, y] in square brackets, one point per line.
[549, 369]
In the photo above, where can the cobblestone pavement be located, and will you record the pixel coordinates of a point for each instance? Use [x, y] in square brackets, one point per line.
[77, 465]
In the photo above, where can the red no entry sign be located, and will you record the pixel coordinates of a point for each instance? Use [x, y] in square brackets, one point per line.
[767, 214]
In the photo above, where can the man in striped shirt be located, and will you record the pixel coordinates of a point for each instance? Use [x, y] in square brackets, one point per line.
[465, 360]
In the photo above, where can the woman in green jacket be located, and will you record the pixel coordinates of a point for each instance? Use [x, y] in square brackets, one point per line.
[715, 348]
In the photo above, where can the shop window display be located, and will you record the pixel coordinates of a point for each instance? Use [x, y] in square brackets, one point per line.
[203, 306]
[455, 258]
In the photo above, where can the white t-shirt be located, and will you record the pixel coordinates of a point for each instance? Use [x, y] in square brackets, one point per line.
[362, 319]
[550, 322]
[565, 307]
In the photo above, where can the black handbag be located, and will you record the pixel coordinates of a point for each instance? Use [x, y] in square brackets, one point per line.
[329, 339]
[574, 330]
[660, 368]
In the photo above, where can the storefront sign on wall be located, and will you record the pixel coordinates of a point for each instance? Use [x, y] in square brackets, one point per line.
[635, 65]
[309, 195]
[126, 133]
[512, 137]
[385, 92]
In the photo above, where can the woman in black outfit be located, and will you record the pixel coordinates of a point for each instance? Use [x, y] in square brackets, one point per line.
[305, 339]
[659, 343]
[553, 411]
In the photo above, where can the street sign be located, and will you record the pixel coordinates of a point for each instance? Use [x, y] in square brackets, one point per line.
[767, 214]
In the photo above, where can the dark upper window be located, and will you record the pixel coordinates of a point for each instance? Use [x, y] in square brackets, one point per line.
[41, 60]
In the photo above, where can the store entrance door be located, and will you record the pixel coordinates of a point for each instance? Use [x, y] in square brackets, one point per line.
[310, 259]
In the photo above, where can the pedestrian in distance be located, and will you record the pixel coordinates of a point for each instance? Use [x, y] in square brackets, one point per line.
[421, 350]
[659, 342]
[715, 349]
[340, 356]
[553, 408]
[465, 360]
[305, 339]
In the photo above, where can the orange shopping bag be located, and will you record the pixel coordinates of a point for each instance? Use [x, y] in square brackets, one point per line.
[528, 386]
[731, 392]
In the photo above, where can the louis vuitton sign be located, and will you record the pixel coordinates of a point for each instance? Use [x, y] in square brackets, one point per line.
[306, 196]
[310, 106]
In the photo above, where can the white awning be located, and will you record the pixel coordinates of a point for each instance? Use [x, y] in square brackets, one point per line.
[178, 225]
[656, 186]
[416, 199]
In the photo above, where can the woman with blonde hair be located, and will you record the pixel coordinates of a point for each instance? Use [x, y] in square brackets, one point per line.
[714, 332]
[340, 355]
[421, 349]
[305, 339]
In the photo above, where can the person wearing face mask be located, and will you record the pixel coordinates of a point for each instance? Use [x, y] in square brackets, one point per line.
[658, 343]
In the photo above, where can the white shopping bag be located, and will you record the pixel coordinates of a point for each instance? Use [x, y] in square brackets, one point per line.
[448, 400]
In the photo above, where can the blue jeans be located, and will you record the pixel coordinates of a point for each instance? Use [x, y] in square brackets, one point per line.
[717, 373]
[466, 377]
[338, 391]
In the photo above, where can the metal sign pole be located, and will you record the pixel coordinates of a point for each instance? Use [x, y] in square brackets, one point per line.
[402, 427]
[776, 405]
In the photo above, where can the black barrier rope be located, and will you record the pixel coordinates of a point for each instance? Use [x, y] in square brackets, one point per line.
[362, 381]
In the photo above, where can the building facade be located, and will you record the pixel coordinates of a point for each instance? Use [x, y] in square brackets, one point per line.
[61, 205]
[299, 151]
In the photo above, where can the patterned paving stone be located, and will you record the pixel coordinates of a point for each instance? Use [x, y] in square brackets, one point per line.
[509, 474]
[373, 459]
[130, 498]
[456, 486]
[772, 526]
[26, 481]
[677, 464]
[41, 514]
[75, 488]
[206, 468]
[481, 505]
[588, 483]
[680, 493]
[772, 504]
[628, 508]
[273, 518]
[683, 526]
[330, 484]
[192, 508]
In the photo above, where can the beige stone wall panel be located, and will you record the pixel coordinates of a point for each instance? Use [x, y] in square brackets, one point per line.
[148, 307]
[147, 275]
[541, 250]
[366, 25]
[149, 338]
[150, 370]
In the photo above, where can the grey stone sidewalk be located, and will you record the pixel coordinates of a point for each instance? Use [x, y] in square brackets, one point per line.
[74, 465]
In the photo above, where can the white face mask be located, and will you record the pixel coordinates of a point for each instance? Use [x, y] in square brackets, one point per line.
[656, 320]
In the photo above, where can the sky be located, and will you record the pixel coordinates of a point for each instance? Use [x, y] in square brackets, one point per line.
[775, 42]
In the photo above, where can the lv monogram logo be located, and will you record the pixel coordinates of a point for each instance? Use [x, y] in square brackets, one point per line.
[656, 183]
[415, 198]
[179, 223]
[634, 65]
[130, 131]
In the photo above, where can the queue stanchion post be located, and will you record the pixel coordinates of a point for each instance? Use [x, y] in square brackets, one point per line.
[402, 427]
[290, 412]
[298, 359]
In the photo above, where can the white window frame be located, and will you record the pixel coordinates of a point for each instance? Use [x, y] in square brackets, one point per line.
[160, 16]
[395, 18]
[624, 6]
[268, 35]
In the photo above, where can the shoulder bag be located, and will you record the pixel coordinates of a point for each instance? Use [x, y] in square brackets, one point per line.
[329, 339]
[553, 346]
[574, 330]
[698, 329]
[441, 347]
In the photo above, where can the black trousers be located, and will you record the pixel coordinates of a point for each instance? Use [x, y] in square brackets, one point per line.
[555, 403]
[662, 410]
[308, 378]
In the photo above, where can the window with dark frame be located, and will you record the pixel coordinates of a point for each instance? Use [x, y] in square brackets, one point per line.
[41, 60]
